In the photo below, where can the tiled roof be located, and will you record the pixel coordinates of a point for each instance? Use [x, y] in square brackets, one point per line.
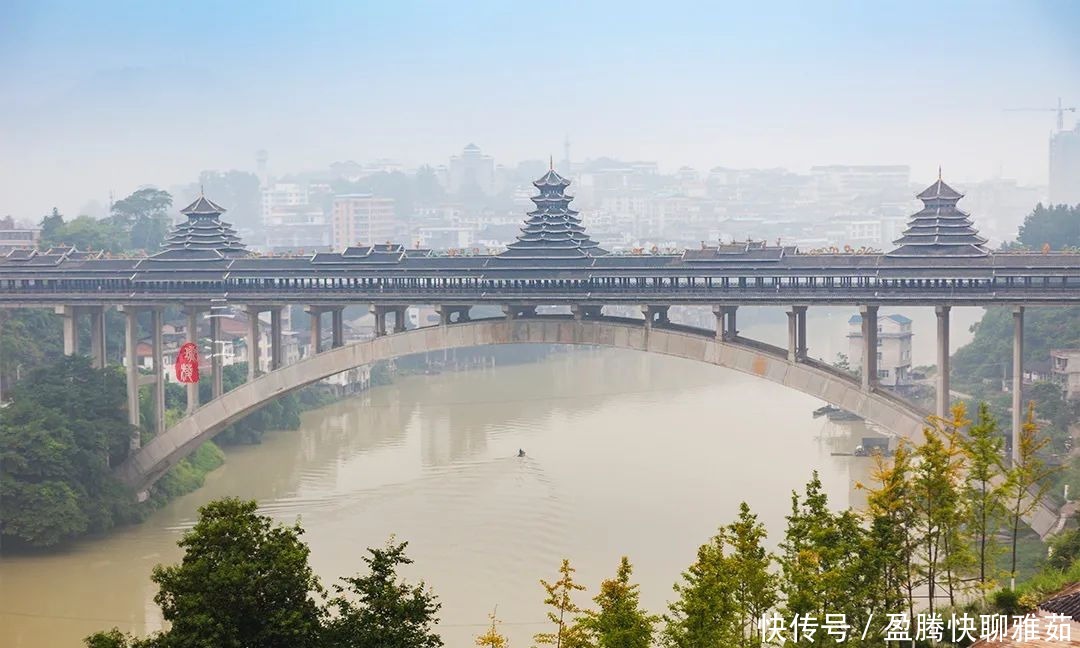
[939, 229]
[552, 229]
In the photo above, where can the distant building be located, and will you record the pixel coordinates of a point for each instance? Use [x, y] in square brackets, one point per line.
[296, 227]
[282, 194]
[1065, 167]
[361, 219]
[1065, 370]
[893, 351]
[13, 237]
[471, 169]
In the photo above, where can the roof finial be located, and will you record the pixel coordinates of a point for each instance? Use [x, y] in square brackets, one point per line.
[551, 163]
[939, 173]
[202, 194]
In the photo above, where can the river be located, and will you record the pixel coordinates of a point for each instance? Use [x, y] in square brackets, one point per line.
[626, 453]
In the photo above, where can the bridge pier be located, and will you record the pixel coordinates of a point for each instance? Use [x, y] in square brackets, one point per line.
[943, 395]
[380, 320]
[159, 369]
[253, 341]
[446, 314]
[797, 333]
[399, 318]
[97, 336]
[131, 341]
[315, 314]
[726, 328]
[69, 316]
[337, 327]
[216, 365]
[193, 337]
[869, 338]
[1017, 381]
[277, 339]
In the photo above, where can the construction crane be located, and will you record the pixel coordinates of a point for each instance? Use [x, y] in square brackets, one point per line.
[1059, 110]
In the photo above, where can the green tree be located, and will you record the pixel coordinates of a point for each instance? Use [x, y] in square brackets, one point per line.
[891, 542]
[985, 491]
[387, 612]
[1028, 480]
[143, 215]
[563, 610]
[755, 589]
[619, 621]
[64, 428]
[1057, 226]
[705, 614]
[242, 582]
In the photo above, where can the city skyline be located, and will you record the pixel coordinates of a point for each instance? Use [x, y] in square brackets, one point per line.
[201, 88]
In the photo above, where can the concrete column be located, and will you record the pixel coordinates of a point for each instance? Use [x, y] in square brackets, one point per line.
[655, 315]
[730, 330]
[869, 337]
[792, 336]
[380, 320]
[943, 397]
[253, 342]
[800, 332]
[316, 330]
[399, 319]
[277, 339]
[97, 336]
[193, 336]
[216, 366]
[445, 312]
[71, 330]
[337, 327]
[159, 370]
[131, 341]
[1017, 381]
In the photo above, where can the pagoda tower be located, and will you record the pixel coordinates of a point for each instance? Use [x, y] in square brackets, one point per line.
[940, 228]
[203, 232]
[552, 230]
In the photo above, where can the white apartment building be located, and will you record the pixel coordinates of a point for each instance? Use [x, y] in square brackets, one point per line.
[1065, 370]
[282, 194]
[893, 348]
[361, 219]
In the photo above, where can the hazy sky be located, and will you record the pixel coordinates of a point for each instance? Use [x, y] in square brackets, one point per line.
[100, 96]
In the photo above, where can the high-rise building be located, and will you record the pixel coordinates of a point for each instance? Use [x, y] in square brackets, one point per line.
[471, 170]
[1065, 167]
[362, 219]
[282, 194]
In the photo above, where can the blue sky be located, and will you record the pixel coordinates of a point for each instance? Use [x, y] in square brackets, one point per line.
[110, 95]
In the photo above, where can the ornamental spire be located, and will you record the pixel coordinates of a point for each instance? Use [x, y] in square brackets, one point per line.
[940, 228]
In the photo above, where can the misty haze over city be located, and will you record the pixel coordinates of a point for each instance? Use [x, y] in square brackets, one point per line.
[109, 97]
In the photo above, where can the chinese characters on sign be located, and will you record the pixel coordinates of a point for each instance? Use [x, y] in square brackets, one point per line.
[896, 628]
[187, 363]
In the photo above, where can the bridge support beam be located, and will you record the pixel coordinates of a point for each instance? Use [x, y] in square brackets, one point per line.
[316, 329]
[70, 328]
[725, 322]
[399, 318]
[515, 311]
[869, 339]
[582, 311]
[655, 314]
[159, 369]
[797, 333]
[277, 339]
[380, 320]
[943, 369]
[193, 337]
[337, 327]
[253, 341]
[216, 364]
[97, 336]
[131, 358]
[1017, 381]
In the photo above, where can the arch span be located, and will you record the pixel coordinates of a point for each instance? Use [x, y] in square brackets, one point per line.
[770, 363]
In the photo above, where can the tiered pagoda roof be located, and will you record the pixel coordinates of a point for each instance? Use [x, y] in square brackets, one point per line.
[552, 230]
[204, 234]
[940, 229]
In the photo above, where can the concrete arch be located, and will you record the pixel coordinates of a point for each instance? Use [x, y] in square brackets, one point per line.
[770, 363]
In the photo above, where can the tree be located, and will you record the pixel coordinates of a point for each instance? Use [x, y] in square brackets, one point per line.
[65, 427]
[560, 599]
[891, 545]
[619, 621]
[755, 590]
[242, 582]
[1055, 225]
[985, 491]
[492, 638]
[50, 227]
[705, 613]
[144, 216]
[1027, 480]
[388, 612]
